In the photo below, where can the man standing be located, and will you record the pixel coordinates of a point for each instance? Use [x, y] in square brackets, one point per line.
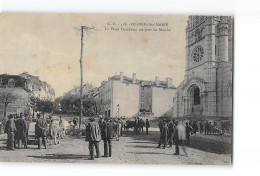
[42, 128]
[206, 128]
[170, 132]
[141, 125]
[28, 120]
[10, 129]
[21, 127]
[107, 136]
[188, 131]
[147, 126]
[201, 127]
[93, 135]
[163, 135]
[180, 137]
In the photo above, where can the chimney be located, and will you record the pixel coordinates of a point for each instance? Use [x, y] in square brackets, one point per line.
[121, 76]
[157, 80]
[169, 82]
[134, 78]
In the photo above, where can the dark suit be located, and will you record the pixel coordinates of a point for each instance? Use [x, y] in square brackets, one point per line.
[41, 126]
[10, 129]
[107, 136]
[21, 127]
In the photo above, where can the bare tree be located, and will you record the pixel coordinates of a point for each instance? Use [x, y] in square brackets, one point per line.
[7, 96]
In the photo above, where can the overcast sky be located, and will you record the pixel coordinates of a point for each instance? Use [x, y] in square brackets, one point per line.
[48, 46]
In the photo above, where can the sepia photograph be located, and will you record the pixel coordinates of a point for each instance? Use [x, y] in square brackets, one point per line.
[116, 88]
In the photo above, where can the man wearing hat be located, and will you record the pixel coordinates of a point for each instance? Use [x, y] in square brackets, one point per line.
[107, 136]
[21, 127]
[10, 129]
[93, 135]
[42, 128]
[163, 133]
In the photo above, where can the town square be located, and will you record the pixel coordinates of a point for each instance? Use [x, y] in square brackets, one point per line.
[160, 93]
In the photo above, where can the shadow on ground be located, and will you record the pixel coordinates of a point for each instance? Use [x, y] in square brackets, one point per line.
[208, 143]
[60, 156]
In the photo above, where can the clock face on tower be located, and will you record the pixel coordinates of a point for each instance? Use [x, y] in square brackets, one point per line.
[197, 53]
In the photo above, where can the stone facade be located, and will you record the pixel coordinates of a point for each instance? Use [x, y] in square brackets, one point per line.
[24, 86]
[206, 90]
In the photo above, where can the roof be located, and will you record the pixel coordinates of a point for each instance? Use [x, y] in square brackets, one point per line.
[139, 82]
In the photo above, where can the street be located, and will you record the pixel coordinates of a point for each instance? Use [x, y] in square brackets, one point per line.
[130, 149]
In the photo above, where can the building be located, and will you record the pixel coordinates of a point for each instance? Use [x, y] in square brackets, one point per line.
[129, 97]
[206, 91]
[17, 87]
[119, 96]
[156, 96]
[24, 86]
[40, 89]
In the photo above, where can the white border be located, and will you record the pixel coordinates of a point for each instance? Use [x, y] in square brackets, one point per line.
[246, 83]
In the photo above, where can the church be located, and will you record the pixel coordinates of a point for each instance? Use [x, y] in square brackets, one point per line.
[206, 91]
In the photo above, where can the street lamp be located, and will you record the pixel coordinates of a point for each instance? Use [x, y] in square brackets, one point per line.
[118, 107]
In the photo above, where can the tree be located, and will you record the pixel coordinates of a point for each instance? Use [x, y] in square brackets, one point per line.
[44, 106]
[7, 96]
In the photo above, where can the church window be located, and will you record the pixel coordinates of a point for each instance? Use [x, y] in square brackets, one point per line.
[197, 53]
[197, 96]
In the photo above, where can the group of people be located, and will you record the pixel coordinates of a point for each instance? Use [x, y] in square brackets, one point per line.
[17, 127]
[102, 130]
[139, 125]
[174, 132]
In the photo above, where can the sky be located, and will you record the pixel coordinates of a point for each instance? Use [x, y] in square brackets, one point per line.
[48, 46]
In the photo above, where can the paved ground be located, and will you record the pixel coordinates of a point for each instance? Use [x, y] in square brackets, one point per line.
[131, 149]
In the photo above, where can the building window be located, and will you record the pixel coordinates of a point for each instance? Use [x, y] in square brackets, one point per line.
[197, 20]
[197, 96]
[142, 104]
[215, 49]
[11, 83]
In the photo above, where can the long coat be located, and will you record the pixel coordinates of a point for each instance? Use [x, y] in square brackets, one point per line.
[93, 132]
[107, 131]
[10, 126]
[21, 127]
[42, 128]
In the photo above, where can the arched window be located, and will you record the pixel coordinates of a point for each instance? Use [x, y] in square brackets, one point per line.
[11, 82]
[196, 97]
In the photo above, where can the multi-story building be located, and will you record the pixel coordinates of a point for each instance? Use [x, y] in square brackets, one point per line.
[119, 96]
[206, 91]
[124, 96]
[24, 86]
[156, 97]
[16, 87]
[40, 89]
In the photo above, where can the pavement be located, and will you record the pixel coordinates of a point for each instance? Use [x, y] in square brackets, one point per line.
[130, 149]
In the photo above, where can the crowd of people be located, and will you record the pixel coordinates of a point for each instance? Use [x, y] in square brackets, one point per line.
[174, 132]
[171, 131]
[17, 129]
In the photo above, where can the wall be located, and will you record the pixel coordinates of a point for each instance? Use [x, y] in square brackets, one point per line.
[162, 100]
[127, 96]
[20, 105]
